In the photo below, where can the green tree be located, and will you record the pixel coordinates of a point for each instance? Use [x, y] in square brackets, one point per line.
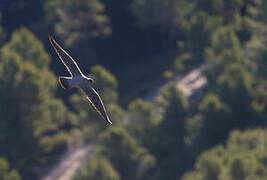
[131, 160]
[242, 15]
[32, 118]
[225, 49]
[170, 20]
[256, 50]
[78, 21]
[106, 82]
[200, 28]
[142, 122]
[211, 126]
[259, 103]
[6, 173]
[224, 8]
[234, 103]
[235, 87]
[243, 157]
[25, 44]
[182, 62]
[171, 151]
[97, 167]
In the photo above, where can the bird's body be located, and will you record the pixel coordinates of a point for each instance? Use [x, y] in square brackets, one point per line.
[79, 80]
[72, 82]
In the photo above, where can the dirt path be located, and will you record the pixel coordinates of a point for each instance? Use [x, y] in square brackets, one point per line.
[69, 163]
[189, 83]
[192, 82]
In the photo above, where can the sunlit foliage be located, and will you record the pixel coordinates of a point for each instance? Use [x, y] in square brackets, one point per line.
[98, 167]
[131, 160]
[33, 120]
[243, 157]
[79, 20]
[6, 173]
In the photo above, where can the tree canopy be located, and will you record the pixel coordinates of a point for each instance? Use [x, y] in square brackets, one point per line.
[6, 173]
[97, 167]
[77, 21]
[132, 48]
[33, 118]
[130, 159]
[243, 157]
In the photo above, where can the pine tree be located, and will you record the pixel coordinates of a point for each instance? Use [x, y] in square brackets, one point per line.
[77, 21]
[34, 123]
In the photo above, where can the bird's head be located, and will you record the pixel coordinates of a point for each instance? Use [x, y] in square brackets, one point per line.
[90, 80]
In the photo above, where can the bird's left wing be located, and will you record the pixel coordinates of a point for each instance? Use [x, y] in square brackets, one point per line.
[66, 59]
[96, 101]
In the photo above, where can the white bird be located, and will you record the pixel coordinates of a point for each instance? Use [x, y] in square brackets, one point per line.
[79, 80]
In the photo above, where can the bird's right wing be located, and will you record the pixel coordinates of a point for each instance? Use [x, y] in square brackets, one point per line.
[95, 100]
[66, 59]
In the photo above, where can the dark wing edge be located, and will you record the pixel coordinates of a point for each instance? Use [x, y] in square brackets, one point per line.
[96, 102]
[65, 58]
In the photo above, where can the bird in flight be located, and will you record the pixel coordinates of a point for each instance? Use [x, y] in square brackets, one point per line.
[78, 80]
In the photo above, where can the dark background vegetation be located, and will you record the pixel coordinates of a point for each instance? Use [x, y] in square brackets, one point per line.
[127, 46]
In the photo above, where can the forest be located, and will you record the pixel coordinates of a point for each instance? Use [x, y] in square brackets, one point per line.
[129, 48]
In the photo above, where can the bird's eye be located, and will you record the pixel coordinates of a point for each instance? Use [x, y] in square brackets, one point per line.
[91, 81]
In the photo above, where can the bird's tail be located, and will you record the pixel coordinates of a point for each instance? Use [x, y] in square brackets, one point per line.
[66, 82]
